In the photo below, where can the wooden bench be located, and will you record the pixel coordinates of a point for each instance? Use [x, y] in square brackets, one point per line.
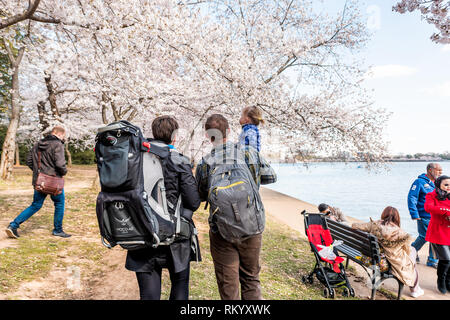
[358, 243]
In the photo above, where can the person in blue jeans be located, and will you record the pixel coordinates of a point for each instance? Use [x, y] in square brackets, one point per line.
[52, 162]
[416, 200]
[38, 201]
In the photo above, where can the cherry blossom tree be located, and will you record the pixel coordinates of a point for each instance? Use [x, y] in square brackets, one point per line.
[102, 60]
[9, 145]
[435, 12]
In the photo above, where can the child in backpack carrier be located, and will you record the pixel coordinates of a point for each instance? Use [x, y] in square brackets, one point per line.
[251, 118]
[149, 262]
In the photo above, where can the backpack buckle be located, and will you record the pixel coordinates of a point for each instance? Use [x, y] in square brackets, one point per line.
[146, 145]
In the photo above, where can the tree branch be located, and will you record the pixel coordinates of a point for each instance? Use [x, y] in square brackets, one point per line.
[20, 17]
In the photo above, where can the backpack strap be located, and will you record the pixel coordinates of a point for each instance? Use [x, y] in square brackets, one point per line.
[39, 160]
[178, 215]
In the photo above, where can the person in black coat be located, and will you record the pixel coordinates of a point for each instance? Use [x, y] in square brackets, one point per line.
[149, 262]
[51, 162]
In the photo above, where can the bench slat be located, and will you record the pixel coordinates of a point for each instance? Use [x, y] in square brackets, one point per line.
[336, 224]
[354, 233]
[347, 250]
[352, 242]
[362, 241]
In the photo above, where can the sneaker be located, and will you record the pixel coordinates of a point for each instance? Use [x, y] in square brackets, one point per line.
[12, 232]
[417, 259]
[432, 264]
[61, 234]
[419, 292]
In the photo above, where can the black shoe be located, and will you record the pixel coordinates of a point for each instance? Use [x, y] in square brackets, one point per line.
[12, 232]
[441, 286]
[442, 273]
[61, 234]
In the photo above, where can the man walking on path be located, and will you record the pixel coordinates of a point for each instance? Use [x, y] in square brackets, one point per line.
[235, 263]
[416, 200]
[53, 163]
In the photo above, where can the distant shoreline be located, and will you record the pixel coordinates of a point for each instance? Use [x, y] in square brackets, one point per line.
[352, 161]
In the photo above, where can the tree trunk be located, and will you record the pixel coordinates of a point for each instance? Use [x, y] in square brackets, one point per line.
[69, 155]
[52, 96]
[9, 145]
[42, 117]
[17, 155]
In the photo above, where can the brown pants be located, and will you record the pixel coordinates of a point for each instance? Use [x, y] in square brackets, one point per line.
[236, 264]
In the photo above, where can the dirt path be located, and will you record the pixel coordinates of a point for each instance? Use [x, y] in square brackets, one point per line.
[70, 277]
[74, 275]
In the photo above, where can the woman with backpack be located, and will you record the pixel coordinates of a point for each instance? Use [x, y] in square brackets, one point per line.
[149, 262]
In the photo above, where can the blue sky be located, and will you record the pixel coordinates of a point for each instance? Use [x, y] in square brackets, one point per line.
[411, 77]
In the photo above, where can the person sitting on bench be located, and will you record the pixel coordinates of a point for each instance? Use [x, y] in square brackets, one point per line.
[396, 246]
[334, 213]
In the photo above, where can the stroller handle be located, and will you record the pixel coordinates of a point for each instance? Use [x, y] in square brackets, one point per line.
[319, 213]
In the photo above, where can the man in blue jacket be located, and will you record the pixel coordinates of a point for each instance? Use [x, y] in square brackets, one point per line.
[416, 200]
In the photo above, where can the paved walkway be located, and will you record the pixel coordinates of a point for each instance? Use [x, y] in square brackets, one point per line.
[287, 210]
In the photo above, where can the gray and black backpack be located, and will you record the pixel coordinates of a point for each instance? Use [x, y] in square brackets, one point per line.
[235, 204]
[132, 206]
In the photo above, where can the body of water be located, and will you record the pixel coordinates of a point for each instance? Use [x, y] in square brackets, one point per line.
[359, 193]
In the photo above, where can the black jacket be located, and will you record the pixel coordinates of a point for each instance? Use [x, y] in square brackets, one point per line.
[178, 179]
[53, 161]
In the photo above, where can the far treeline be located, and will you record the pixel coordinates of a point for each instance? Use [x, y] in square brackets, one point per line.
[424, 156]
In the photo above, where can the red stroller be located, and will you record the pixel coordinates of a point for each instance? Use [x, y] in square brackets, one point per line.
[331, 273]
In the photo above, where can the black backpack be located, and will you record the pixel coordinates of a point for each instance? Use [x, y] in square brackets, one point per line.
[132, 206]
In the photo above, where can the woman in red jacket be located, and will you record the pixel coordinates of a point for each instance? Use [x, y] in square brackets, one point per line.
[437, 203]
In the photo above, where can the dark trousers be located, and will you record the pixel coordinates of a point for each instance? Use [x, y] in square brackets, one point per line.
[237, 264]
[443, 273]
[150, 284]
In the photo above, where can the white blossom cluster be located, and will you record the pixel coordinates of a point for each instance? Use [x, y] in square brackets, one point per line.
[138, 59]
[435, 12]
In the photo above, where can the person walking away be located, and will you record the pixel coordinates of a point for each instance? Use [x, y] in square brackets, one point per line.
[236, 263]
[437, 203]
[423, 185]
[149, 262]
[396, 248]
[251, 118]
[53, 163]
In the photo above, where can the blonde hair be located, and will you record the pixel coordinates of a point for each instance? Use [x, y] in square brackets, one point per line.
[254, 114]
[58, 130]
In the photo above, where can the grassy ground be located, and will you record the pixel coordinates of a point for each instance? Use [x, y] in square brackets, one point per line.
[37, 257]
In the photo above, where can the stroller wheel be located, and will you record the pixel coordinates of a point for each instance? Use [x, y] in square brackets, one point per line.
[310, 280]
[304, 279]
[345, 292]
[352, 292]
[332, 293]
[328, 293]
